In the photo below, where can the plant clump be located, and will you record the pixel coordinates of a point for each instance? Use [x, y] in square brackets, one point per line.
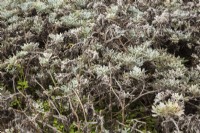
[100, 66]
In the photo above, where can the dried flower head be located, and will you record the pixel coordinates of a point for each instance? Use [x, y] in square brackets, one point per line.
[168, 104]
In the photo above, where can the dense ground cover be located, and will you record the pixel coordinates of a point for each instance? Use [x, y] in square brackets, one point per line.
[100, 66]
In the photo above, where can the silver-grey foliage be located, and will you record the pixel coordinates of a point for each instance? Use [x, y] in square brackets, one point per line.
[100, 66]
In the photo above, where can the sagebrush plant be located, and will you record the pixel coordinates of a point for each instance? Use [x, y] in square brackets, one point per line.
[99, 66]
